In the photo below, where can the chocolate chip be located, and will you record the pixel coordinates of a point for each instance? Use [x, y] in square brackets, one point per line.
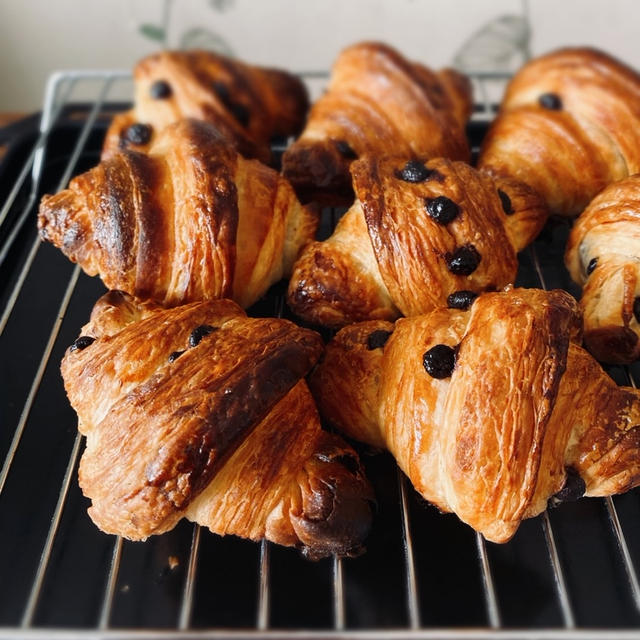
[442, 209]
[200, 332]
[240, 113]
[221, 90]
[345, 150]
[175, 355]
[463, 261]
[592, 265]
[439, 361]
[574, 488]
[138, 133]
[350, 463]
[507, 207]
[377, 339]
[550, 101]
[160, 90]
[413, 171]
[636, 309]
[82, 343]
[461, 299]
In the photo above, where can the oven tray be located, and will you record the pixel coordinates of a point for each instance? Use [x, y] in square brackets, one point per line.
[569, 573]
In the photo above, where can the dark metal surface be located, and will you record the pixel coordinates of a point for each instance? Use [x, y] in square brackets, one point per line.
[423, 571]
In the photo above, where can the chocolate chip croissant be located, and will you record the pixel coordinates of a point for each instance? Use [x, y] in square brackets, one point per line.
[603, 256]
[569, 125]
[419, 236]
[377, 103]
[203, 413]
[248, 105]
[191, 220]
[490, 412]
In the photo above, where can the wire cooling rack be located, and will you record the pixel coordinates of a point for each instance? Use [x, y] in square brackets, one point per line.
[569, 573]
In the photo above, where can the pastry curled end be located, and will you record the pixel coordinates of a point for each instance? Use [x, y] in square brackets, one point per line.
[378, 103]
[568, 126]
[603, 256]
[418, 233]
[336, 502]
[337, 281]
[200, 412]
[491, 412]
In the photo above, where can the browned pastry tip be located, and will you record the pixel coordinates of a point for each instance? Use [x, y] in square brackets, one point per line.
[190, 220]
[337, 281]
[418, 234]
[335, 514]
[116, 309]
[603, 256]
[199, 411]
[491, 412]
[378, 103]
[568, 125]
[248, 105]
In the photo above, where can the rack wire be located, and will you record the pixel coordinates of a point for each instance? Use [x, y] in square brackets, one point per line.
[404, 547]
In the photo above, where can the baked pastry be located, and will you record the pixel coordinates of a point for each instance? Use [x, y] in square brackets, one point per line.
[191, 220]
[569, 125]
[603, 256]
[490, 412]
[377, 103]
[248, 105]
[203, 413]
[419, 236]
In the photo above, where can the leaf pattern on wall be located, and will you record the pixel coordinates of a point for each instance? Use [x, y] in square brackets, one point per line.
[152, 32]
[200, 38]
[221, 5]
[193, 37]
[496, 46]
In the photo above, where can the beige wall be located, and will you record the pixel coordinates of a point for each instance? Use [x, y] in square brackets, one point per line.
[38, 36]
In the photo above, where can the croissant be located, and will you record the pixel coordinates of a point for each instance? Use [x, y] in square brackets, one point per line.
[490, 412]
[603, 256]
[191, 220]
[377, 103]
[248, 105]
[569, 125]
[203, 413]
[419, 236]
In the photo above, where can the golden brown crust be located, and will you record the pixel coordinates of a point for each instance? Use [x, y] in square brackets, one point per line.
[353, 408]
[178, 420]
[247, 105]
[192, 220]
[378, 103]
[459, 92]
[494, 440]
[389, 256]
[501, 395]
[569, 150]
[607, 237]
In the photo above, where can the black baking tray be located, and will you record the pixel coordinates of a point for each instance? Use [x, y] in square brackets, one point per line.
[150, 582]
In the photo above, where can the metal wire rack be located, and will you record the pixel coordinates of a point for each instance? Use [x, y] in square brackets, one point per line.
[570, 573]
